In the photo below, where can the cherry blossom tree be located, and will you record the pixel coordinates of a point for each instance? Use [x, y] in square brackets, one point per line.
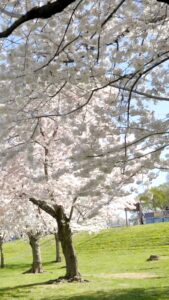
[77, 80]
[21, 219]
[84, 50]
[65, 171]
[29, 226]
[83, 58]
[7, 226]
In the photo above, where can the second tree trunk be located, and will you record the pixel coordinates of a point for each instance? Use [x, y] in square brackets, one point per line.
[57, 243]
[36, 254]
[2, 253]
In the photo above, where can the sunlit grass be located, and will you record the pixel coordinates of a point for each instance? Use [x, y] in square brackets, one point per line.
[114, 261]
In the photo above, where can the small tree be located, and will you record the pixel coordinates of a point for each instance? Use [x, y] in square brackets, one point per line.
[29, 223]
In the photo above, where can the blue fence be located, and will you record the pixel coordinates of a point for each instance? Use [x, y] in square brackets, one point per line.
[156, 217]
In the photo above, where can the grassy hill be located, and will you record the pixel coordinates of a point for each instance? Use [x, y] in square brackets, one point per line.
[114, 261]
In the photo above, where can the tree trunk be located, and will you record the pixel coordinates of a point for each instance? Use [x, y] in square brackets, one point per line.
[36, 254]
[65, 237]
[141, 219]
[57, 243]
[2, 253]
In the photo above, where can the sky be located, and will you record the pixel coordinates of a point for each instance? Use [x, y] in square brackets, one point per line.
[161, 109]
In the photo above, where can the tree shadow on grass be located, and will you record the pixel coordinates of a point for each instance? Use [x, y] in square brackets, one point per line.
[16, 266]
[19, 291]
[23, 292]
[24, 266]
[126, 294]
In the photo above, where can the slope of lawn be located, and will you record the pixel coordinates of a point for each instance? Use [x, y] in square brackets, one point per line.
[114, 261]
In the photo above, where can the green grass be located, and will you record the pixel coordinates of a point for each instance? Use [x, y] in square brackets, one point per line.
[114, 262]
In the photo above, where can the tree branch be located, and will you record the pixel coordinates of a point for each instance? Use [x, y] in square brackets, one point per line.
[164, 1]
[141, 93]
[10, 13]
[72, 208]
[43, 12]
[44, 206]
[112, 13]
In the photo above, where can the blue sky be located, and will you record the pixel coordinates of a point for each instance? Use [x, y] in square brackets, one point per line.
[161, 109]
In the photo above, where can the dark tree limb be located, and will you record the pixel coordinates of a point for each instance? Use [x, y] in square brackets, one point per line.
[43, 12]
[164, 1]
[48, 10]
[44, 206]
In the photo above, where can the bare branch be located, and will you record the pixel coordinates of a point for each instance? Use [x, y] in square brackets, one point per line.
[146, 154]
[112, 13]
[57, 53]
[72, 208]
[145, 137]
[130, 144]
[79, 107]
[10, 13]
[140, 93]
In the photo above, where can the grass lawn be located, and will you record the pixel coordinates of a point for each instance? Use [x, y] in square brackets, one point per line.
[114, 262]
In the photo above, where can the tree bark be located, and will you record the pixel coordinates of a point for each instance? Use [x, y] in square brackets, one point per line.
[65, 237]
[140, 214]
[36, 254]
[57, 243]
[2, 253]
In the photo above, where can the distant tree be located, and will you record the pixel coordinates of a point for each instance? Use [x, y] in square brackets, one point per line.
[156, 197]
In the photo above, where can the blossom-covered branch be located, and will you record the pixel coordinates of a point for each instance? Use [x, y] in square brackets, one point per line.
[43, 12]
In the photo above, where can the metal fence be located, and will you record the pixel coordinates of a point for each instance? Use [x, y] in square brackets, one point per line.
[156, 217]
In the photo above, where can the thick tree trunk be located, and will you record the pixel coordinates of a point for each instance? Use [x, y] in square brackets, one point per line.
[36, 254]
[2, 254]
[65, 237]
[57, 243]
